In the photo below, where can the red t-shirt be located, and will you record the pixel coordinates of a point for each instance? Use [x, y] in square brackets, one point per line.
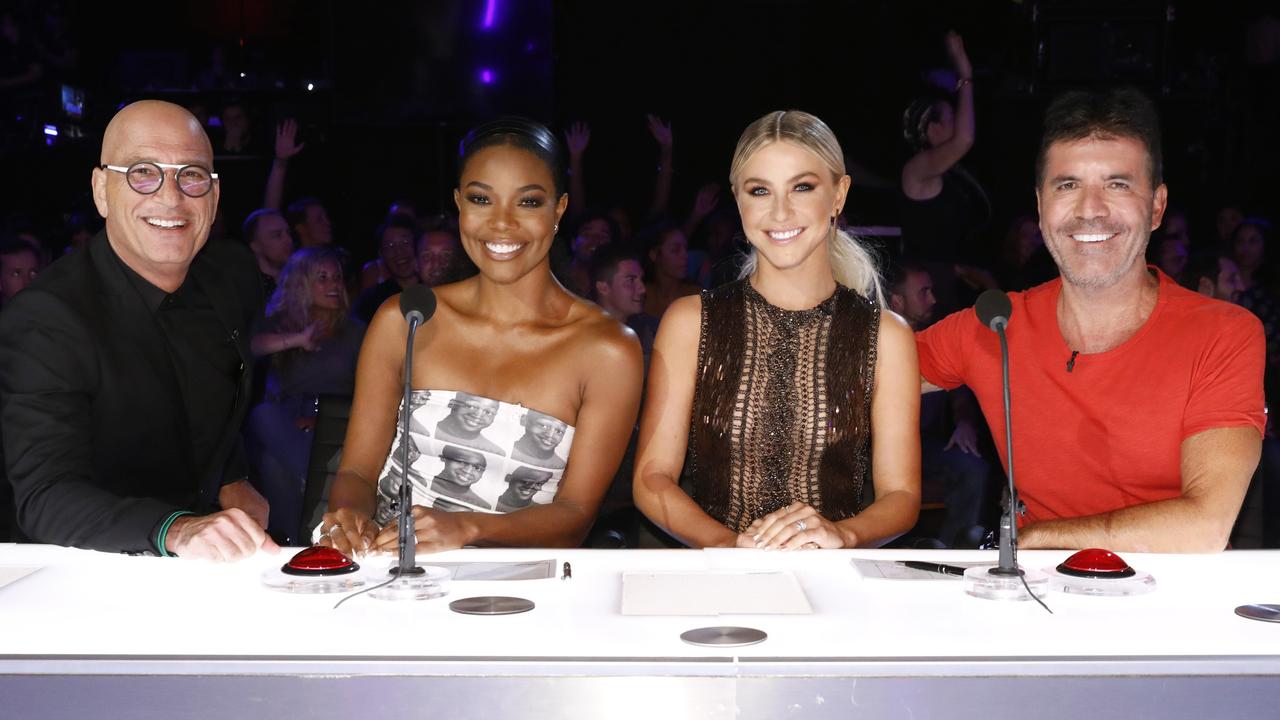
[1107, 434]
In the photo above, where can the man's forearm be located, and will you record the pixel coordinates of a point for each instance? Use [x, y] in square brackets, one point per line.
[1177, 525]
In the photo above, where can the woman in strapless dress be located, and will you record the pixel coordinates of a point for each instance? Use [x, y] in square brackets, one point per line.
[511, 336]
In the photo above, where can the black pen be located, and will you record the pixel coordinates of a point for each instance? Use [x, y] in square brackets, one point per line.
[934, 567]
[568, 572]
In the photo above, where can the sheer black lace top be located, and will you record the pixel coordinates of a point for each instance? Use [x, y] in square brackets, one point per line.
[782, 406]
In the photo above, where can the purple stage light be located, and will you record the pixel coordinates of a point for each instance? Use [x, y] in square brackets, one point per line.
[486, 76]
[51, 130]
[490, 14]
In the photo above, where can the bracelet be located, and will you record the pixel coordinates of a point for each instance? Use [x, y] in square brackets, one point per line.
[961, 82]
[163, 532]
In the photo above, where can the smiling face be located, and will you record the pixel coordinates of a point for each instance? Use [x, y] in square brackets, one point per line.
[507, 212]
[526, 482]
[787, 197]
[590, 237]
[326, 286]
[156, 235]
[396, 249]
[546, 431]
[462, 472]
[437, 250]
[623, 294]
[1098, 208]
[473, 413]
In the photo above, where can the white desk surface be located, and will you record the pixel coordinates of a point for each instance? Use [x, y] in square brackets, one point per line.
[88, 604]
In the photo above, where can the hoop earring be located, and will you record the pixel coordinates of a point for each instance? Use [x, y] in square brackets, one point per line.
[555, 228]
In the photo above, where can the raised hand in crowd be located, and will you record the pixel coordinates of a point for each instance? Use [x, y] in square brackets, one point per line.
[287, 147]
[661, 132]
[287, 144]
[577, 137]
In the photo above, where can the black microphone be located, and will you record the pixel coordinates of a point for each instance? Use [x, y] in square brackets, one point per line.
[418, 304]
[993, 309]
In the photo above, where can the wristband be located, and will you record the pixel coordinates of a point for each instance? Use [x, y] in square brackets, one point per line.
[163, 532]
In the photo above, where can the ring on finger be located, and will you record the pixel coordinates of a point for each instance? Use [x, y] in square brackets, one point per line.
[333, 528]
[800, 525]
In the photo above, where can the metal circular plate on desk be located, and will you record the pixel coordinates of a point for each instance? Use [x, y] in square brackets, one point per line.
[1265, 613]
[723, 636]
[491, 605]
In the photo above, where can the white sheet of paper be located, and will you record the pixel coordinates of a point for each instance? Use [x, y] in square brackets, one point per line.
[11, 574]
[741, 592]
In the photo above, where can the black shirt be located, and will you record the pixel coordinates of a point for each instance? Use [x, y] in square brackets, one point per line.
[205, 361]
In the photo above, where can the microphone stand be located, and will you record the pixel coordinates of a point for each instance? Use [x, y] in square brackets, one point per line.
[1006, 581]
[410, 581]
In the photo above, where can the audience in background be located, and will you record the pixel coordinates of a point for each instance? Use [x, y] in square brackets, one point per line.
[313, 347]
[267, 233]
[396, 245]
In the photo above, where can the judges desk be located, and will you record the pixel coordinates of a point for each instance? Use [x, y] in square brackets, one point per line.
[106, 636]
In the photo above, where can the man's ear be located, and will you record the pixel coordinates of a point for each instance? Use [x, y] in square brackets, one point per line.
[897, 303]
[1159, 202]
[98, 183]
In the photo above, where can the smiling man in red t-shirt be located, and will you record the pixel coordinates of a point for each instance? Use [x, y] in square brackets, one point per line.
[1137, 404]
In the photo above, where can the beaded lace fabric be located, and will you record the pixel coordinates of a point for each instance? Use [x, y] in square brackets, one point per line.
[782, 406]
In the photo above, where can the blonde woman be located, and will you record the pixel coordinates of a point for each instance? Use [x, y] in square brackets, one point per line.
[313, 346]
[771, 385]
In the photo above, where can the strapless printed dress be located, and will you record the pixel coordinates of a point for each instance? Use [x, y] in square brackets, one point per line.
[471, 453]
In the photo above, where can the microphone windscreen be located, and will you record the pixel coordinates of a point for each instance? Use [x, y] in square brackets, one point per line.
[993, 304]
[419, 298]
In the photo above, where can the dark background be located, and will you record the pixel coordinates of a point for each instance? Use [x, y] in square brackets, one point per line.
[394, 85]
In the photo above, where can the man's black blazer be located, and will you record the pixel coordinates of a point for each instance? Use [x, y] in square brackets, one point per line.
[96, 439]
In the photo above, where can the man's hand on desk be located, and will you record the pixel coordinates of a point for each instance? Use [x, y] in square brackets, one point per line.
[223, 536]
[240, 494]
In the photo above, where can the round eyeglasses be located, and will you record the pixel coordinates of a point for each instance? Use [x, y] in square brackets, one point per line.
[147, 177]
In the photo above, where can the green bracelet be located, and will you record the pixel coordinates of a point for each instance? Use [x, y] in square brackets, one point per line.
[163, 533]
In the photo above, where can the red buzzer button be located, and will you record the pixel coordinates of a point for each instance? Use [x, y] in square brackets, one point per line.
[1096, 563]
[319, 560]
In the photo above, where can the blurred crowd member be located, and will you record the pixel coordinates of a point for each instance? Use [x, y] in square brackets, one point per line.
[396, 249]
[310, 222]
[313, 347]
[952, 469]
[267, 234]
[617, 278]
[594, 230]
[1170, 248]
[375, 271]
[1226, 221]
[1214, 275]
[78, 228]
[20, 263]
[440, 256]
[943, 205]
[668, 253]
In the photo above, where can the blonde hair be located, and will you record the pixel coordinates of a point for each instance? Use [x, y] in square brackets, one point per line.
[291, 301]
[852, 265]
